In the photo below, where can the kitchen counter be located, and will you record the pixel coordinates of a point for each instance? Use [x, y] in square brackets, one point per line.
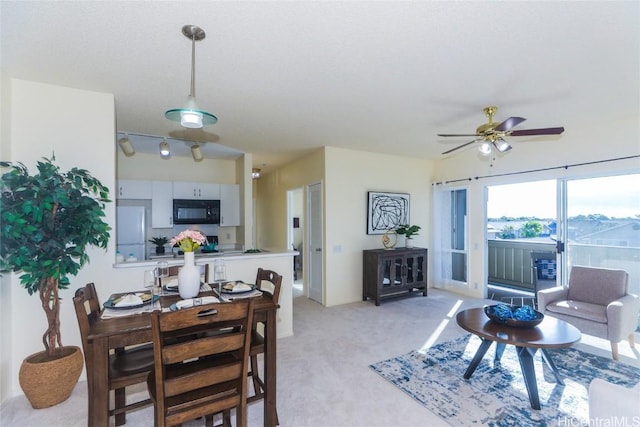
[128, 276]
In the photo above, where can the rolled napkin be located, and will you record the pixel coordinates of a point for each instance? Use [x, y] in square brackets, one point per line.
[188, 303]
[129, 300]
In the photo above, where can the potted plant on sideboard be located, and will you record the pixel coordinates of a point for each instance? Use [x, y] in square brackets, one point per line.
[159, 242]
[48, 221]
[409, 231]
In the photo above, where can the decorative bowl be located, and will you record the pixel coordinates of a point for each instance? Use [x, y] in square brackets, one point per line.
[514, 315]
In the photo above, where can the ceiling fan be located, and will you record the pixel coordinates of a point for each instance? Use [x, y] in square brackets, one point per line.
[492, 134]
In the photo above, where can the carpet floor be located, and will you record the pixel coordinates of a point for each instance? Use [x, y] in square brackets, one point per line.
[496, 394]
[323, 373]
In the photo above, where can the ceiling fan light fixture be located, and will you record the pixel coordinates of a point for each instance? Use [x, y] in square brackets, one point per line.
[485, 148]
[126, 146]
[190, 116]
[502, 145]
[196, 152]
[165, 150]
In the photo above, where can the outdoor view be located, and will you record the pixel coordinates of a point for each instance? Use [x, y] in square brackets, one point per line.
[602, 226]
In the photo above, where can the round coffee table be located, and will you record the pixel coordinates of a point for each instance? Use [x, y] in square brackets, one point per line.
[550, 333]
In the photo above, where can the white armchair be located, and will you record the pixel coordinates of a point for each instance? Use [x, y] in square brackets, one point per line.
[612, 404]
[597, 302]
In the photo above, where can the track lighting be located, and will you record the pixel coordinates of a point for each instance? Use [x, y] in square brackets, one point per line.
[126, 146]
[255, 173]
[165, 150]
[196, 152]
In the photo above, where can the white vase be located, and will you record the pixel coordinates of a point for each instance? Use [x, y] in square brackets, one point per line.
[408, 242]
[189, 277]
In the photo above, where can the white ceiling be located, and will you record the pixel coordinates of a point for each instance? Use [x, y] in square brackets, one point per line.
[285, 78]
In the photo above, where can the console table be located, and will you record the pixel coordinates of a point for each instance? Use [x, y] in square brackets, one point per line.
[395, 272]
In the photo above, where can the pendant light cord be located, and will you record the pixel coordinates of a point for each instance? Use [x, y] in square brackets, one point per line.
[193, 65]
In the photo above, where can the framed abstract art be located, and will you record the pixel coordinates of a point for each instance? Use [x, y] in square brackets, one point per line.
[386, 211]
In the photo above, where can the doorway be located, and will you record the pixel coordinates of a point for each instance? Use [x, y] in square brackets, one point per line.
[314, 242]
[296, 221]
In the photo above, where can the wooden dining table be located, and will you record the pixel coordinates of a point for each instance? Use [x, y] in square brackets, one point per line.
[117, 332]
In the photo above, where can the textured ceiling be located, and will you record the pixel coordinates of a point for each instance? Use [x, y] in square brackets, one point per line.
[285, 78]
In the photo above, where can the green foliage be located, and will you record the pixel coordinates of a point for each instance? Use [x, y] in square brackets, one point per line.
[508, 232]
[531, 229]
[48, 221]
[159, 241]
[408, 230]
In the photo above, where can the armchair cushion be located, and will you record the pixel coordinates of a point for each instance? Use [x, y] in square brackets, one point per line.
[583, 310]
[597, 285]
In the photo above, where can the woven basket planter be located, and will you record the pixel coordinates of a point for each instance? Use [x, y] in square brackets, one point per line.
[49, 382]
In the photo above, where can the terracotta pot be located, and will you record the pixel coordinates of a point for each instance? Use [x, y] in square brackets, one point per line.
[48, 382]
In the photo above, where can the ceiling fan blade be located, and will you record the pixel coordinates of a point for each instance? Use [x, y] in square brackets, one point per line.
[509, 123]
[458, 134]
[460, 146]
[544, 131]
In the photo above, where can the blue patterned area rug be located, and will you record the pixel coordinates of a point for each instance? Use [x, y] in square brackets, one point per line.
[496, 394]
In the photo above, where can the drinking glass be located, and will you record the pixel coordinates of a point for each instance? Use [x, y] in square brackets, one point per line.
[161, 271]
[219, 273]
[150, 284]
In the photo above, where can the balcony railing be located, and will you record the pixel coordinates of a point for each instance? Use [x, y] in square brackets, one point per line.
[511, 261]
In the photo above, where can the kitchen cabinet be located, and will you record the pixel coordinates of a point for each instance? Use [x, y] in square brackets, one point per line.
[229, 205]
[161, 204]
[386, 273]
[196, 190]
[133, 189]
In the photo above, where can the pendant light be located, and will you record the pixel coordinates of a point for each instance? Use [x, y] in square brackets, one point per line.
[190, 116]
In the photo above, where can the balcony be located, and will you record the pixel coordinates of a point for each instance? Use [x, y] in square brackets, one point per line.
[511, 261]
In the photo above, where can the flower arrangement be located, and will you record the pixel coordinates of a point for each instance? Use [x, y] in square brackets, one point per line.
[188, 240]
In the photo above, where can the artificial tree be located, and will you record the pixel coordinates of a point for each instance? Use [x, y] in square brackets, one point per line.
[48, 221]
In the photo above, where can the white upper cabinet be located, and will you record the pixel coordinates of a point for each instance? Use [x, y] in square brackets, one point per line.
[196, 190]
[161, 204]
[133, 189]
[229, 205]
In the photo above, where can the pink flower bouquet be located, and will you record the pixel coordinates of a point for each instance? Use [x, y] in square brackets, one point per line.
[188, 240]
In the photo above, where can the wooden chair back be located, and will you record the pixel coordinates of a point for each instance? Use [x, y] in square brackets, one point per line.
[126, 367]
[175, 269]
[273, 285]
[201, 362]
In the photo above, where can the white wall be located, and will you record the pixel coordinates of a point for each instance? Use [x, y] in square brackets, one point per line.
[78, 126]
[349, 176]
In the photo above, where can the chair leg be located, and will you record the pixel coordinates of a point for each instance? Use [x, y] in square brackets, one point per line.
[614, 350]
[632, 341]
[257, 383]
[120, 401]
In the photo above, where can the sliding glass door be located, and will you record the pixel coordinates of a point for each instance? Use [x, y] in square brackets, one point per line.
[602, 224]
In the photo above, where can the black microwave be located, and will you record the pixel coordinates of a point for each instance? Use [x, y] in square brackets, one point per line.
[187, 211]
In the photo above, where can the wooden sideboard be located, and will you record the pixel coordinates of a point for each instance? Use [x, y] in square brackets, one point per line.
[396, 272]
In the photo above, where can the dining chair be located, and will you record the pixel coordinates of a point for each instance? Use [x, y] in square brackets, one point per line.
[200, 367]
[126, 366]
[175, 269]
[270, 282]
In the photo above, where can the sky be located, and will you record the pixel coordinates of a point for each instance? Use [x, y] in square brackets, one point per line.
[616, 196]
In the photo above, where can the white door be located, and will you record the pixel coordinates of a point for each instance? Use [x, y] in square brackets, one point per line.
[314, 255]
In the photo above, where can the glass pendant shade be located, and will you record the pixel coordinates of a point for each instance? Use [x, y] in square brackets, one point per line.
[191, 116]
[485, 148]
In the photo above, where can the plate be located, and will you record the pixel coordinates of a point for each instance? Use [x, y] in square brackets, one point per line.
[111, 303]
[514, 315]
[237, 287]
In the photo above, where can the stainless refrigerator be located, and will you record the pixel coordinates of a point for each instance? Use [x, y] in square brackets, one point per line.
[131, 231]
